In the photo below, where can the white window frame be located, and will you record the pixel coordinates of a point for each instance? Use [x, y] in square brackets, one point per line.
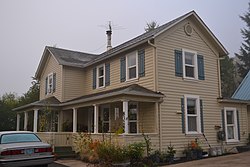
[128, 67]
[98, 77]
[198, 120]
[235, 125]
[50, 85]
[195, 66]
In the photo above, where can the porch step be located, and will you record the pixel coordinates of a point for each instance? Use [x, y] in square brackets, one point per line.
[64, 152]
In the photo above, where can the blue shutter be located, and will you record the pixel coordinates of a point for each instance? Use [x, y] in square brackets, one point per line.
[54, 82]
[123, 69]
[107, 74]
[178, 63]
[201, 117]
[141, 63]
[183, 115]
[94, 78]
[223, 120]
[46, 85]
[238, 124]
[200, 62]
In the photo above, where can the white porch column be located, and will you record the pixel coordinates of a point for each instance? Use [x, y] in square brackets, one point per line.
[125, 111]
[25, 120]
[96, 112]
[74, 120]
[18, 122]
[35, 120]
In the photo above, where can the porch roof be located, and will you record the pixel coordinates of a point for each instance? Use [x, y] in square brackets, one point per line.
[133, 90]
[51, 101]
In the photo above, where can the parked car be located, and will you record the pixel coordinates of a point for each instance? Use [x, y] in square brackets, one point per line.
[22, 148]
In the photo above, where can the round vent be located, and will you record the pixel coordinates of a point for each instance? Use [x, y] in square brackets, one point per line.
[188, 29]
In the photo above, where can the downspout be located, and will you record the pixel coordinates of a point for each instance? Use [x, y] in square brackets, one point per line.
[156, 90]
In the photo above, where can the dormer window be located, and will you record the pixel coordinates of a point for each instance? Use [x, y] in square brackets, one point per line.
[50, 83]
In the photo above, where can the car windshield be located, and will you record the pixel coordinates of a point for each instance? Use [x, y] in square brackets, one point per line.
[19, 138]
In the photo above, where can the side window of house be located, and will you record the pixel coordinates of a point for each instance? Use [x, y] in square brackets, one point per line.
[132, 65]
[101, 76]
[50, 83]
[231, 126]
[188, 64]
[192, 114]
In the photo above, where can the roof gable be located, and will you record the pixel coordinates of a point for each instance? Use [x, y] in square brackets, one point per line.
[243, 91]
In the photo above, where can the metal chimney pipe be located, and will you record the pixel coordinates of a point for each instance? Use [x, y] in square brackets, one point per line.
[109, 33]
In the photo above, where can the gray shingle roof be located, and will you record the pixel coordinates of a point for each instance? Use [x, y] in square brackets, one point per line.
[243, 91]
[71, 58]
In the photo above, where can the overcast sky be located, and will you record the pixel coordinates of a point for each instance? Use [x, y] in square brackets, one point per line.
[27, 26]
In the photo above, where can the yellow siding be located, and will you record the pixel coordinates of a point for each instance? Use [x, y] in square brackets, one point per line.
[147, 81]
[51, 66]
[175, 87]
[147, 117]
[73, 82]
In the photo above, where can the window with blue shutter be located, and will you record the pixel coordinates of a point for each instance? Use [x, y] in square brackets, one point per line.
[54, 82]
[141, 62]
[201, 115]
[183, 115]
[123, 69]
[107, 74]
[94, 78]
[178, 63]
[200, 62]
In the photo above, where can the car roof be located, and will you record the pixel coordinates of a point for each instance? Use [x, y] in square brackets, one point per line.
[12, 132]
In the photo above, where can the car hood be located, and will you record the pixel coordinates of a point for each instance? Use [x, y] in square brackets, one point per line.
[23, 145]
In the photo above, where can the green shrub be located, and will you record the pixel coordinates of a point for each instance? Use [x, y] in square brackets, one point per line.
[136, 151]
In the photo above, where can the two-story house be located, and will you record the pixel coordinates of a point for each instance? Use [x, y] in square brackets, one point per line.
[164, 83]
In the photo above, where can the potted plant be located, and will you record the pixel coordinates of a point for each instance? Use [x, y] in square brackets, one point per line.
[193, 150]
[170, 153]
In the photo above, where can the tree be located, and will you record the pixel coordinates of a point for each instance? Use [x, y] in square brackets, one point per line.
[244, 54]
[31, 95]
[7, 116]
[151, 26]
[228, 73]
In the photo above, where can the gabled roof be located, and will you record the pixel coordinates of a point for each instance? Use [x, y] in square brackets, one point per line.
[65, 57]
[79, 59]
[243, 91]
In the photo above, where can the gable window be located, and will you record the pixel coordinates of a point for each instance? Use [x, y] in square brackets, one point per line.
[190, 64]
[132, 66]
[192, 113]
[100, 76]
[231, 124]
[50, 83]
[133, 117]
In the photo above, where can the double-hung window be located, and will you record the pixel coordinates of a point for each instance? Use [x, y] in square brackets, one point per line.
[132, 66]
[50, 83]
[133, 117]
[101, 76]
[190, 64]
[231, 124]
[192, 113]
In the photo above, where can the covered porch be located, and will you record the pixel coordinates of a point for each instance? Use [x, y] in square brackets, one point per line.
[125, 112]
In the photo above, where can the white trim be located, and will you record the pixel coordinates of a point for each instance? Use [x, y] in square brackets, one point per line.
[74, 120]
[98, 77]
[195, 65]
[96, 113]
[235, 125]
[35, 120]
[125, 118]
[18, 117]
[134, 53]
[198, 120]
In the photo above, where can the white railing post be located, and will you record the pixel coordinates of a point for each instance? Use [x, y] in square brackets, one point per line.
[35, 120]
[74, 120]
[26, 120]
[96, 118]
[125, 118]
